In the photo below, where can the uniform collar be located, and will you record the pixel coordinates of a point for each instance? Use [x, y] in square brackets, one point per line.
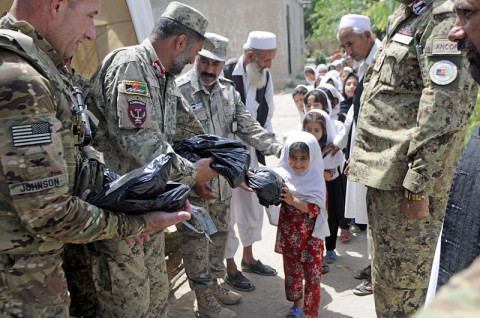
[8, 21]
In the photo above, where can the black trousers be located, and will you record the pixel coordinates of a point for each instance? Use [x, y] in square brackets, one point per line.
[336, 210]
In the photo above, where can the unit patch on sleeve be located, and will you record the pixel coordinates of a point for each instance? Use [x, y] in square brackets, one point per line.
[136, 88]
[31, 134]
[137, 112]
[443, 72]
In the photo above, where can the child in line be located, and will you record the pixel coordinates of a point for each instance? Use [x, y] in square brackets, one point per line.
[298, 96]
[310, 75]
[317, 101]
[302, 222]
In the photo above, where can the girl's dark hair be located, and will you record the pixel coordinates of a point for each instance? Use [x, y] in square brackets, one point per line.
[317, 118]
[319, 98]
[300, 90]
[329, 94]
[299, 146]
[350, 74]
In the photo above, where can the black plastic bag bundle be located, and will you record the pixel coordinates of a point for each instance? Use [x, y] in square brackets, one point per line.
[268, 185]
[231, 157]
[143, 189]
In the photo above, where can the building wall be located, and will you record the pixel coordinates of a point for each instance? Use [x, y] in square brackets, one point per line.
[235, 19]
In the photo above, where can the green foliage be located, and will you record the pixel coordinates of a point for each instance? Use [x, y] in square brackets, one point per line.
[291, 84]
[323, 16]
[319, 57]
[473, 121]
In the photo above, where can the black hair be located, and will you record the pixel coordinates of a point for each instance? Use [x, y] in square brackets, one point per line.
[299, 146]
[319, 98]
[317, 118]
[300, 90]
[165, 28]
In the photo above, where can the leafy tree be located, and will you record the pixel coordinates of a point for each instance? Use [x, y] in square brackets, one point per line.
[323, 16]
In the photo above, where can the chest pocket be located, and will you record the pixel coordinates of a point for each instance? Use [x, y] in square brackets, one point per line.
[400, 68]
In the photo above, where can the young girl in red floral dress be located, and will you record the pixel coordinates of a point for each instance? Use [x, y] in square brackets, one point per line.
[302, 223]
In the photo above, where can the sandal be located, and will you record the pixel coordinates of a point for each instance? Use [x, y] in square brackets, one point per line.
[258, 268]
[239, 282]
[365, 288]
[331, 257]
[295, 312]
[345, 236]
[325, 268]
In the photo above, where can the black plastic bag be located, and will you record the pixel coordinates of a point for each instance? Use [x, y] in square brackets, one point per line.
[143, 189]
[231, 157]
[268, 185]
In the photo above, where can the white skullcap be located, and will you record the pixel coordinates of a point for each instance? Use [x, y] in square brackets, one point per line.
[355, 20]
[336, 62]
[261, 40]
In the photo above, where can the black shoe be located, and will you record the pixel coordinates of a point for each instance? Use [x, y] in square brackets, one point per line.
[365, 273]
[365, 288]
[239, 282]
[258, 268]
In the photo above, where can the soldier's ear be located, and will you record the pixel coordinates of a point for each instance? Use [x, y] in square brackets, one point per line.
[57, 7]
[181, 43]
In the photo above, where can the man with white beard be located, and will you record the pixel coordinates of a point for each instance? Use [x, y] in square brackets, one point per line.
[251, 76]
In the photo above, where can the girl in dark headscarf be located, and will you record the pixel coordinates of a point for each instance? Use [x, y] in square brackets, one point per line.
[349, 86]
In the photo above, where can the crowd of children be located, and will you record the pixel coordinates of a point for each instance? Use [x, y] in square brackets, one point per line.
[313, 198]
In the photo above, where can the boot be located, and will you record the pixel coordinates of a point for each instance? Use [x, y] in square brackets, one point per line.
[224, 295]
[209, 306]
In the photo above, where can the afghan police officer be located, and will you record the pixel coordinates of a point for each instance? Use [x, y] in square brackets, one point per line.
[141, 112]
[415, 105]
[219, 108]
[38, 152]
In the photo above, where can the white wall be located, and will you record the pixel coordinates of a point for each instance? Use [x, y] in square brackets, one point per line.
[235, 19]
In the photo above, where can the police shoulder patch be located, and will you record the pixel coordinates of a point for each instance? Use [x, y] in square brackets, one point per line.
[443, 72]
[135, 88]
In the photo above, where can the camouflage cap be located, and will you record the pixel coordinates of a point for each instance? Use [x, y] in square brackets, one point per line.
[188, 16]
[219, 51]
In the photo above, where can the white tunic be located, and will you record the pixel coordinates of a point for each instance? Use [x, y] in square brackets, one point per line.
[246, 210]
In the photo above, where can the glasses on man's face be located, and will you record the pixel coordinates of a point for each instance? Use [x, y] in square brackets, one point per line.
[309, 107]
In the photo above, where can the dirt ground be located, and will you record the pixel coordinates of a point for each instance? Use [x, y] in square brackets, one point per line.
[268, 299]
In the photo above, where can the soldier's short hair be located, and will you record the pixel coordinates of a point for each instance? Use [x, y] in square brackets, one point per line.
[165, 28]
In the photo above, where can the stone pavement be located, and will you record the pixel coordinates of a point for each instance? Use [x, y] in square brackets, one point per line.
[268, 299]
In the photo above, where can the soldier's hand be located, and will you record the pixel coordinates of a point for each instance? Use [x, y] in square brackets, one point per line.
[204, 171]
[159, 220]
[415, 209]
[138, 239]
[204, 190]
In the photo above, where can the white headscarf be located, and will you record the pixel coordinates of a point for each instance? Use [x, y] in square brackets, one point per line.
[330, 162]
[331, 75]
[301, 113]
[309, 185]
[310, 68]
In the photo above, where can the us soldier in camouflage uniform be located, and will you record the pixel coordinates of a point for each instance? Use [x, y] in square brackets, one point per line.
[219, 108]
[460, 297]
[141, 112]
[38, 159]
[411, 127]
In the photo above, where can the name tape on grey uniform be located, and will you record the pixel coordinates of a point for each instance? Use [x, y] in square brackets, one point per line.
[31, 134]
[38, 185]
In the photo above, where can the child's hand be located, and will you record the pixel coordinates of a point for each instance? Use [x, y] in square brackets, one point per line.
[286, 195]
[326, 175]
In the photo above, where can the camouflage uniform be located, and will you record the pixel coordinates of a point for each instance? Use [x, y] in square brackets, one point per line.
[140, 115]
[219, 111]
[37, 211]
[459, 298]
[417, 100]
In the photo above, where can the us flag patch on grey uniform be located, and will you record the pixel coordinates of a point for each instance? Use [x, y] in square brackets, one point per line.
[31, 134]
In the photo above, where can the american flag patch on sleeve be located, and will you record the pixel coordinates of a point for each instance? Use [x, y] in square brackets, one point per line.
[31, 134]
